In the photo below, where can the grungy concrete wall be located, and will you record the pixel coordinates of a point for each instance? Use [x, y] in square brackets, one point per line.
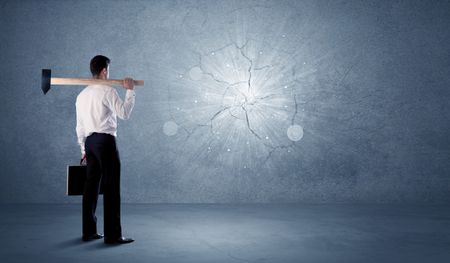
[245, 101]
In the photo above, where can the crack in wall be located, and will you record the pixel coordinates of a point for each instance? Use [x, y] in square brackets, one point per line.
[233, 68]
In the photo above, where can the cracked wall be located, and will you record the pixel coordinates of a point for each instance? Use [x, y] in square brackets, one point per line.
[245, 101]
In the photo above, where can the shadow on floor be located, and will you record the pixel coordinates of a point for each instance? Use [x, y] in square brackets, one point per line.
[70, 243]
[77, 242]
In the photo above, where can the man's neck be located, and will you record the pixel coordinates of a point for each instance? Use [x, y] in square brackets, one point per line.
[100, 77]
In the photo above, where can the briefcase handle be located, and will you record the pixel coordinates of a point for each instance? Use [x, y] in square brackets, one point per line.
[81, 161]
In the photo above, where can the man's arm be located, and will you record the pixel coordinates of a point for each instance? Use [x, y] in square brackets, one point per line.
[81, 137]
[122, 108]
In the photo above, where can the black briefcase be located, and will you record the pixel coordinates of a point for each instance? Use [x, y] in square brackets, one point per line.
[76, 176]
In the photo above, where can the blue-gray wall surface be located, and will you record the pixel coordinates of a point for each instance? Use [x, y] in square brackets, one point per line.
[244, 101]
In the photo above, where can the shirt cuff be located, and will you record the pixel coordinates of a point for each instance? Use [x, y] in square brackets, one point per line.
[130, 93]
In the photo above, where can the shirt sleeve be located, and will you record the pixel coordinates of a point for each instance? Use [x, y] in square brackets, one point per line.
[81, 135]
[121, 108]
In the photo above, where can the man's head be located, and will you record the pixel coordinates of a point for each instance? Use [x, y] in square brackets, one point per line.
[100, 67]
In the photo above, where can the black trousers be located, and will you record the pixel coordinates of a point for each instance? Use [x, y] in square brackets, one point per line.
[103, 166]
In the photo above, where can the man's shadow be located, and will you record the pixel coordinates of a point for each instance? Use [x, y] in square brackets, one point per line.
[70, 243]
[77, 242]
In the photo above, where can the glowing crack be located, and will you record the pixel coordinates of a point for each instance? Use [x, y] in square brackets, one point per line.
[240, 93]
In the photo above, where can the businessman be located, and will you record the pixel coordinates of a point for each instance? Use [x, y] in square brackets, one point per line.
[97, 109]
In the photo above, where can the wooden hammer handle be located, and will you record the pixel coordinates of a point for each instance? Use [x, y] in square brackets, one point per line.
[77, 81]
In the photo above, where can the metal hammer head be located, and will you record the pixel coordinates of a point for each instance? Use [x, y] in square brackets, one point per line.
[45, 82]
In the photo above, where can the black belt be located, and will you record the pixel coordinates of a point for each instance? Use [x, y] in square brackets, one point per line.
[99, 133]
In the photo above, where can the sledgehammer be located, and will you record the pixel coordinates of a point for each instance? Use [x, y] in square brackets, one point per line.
[47, 81]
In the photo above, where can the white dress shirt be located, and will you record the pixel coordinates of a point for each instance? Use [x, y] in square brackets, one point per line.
[98, 107]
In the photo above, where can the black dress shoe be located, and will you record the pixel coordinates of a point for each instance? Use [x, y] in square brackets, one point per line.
[92, 237]
[120, 240]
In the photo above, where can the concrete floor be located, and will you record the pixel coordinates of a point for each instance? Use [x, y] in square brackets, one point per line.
[232, 233]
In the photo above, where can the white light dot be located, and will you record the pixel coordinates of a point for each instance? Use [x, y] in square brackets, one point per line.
[180, 76]
[212, 53]
[285, 87]
[195, 101]
[195, 73]
[267, 137]
[170, 128]
[283, 36]
[260, 52]
[228, 150]
[295, 132]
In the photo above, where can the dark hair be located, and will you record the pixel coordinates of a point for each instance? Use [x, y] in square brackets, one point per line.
[98, 63]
